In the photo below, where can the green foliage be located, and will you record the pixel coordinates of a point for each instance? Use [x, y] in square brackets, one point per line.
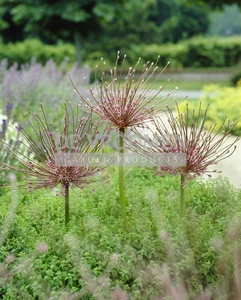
[213, 52]
[162, 21]
[194, 53]
[96, 258]
[103, 22]
[223, 103]
[176, 54]
[226, 22]
[236, 79]
[217, 3]
[198, 52]
[23, 52]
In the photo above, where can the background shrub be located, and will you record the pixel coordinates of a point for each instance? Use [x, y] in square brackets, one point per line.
[198, 52]
[236, 79]
[23, 52]
[223, 101]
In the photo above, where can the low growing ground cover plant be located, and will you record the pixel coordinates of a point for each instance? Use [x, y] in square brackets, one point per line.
[160, 255]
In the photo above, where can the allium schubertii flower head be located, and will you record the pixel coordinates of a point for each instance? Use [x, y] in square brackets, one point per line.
[189, 133]
[126, 100]
[42, 157]
[203, 143]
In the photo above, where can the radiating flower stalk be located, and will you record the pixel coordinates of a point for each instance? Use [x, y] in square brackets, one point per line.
[126, 100]
[44, 160]
[187, 134]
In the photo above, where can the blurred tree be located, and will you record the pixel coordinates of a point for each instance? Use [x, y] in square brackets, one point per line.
[217, 3]
[52, 20]
[226, 22]
[104, 25]
[155, 21]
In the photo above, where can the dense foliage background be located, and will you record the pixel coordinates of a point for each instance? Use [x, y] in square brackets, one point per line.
[104, 27]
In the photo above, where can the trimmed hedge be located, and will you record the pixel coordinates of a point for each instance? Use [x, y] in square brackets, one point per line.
[213, 52]
[198, 52]
[22, 52]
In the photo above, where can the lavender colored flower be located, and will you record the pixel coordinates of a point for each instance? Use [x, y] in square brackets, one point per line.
[9, 108]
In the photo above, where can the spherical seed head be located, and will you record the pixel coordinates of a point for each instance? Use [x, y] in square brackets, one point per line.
[41, 168]
[126, 104]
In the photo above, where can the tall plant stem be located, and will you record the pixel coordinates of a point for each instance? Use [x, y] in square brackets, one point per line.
[182, 192]
[121, 175]
[66, 190]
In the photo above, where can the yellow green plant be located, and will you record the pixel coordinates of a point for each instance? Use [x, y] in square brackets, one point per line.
[224, 102]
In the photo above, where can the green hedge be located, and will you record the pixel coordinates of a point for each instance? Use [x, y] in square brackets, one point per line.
[198, 52]
[176, 54]
[213, 52]
[22, 52]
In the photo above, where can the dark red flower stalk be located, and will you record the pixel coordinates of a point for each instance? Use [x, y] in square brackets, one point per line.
[203, 145]
[126, 100]
[44, 158]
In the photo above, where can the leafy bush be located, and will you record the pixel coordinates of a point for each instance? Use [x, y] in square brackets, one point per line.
[23, 52]
[198, 52]
[236, 79]
[176, 54]
[223, 103]
[213, 52]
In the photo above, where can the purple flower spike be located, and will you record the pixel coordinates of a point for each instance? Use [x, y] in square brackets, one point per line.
[9, 107]
[19, 127]
[4, 125]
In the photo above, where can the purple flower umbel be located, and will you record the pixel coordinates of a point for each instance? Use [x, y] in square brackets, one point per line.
[126, 100]
[186, 133]
[75, 135]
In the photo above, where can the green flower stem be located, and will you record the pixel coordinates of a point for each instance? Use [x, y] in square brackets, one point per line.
[66, 190]
[182, 192]
[121, 175]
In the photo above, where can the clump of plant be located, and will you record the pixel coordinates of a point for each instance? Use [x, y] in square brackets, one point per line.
[223, 102]
[236, 79]
[158, 257]
[201, 144]
[24, 86]
[124, 101]
[43, 161]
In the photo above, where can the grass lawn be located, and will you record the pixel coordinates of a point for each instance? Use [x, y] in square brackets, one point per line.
[190, 85]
